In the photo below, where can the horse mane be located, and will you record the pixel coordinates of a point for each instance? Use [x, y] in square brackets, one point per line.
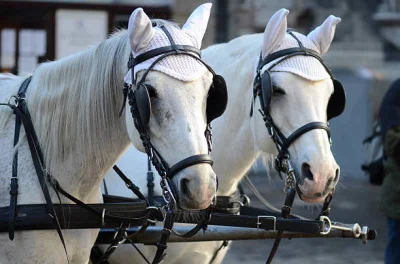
[75, 98]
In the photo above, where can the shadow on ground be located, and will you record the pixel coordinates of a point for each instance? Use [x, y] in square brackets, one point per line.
[354, 202]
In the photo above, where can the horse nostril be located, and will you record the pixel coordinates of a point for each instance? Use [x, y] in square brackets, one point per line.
[185, 187]
[306, 171]
[336, 175]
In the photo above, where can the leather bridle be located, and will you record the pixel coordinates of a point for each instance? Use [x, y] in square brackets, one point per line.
[282, 143]
[164, 170]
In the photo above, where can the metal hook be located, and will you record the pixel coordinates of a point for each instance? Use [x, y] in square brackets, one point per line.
[327, 224]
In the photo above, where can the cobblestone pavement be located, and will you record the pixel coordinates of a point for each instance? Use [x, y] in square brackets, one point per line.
[354, 202]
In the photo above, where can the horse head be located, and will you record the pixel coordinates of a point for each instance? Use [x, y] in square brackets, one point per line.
[298, 90]
[171, 87]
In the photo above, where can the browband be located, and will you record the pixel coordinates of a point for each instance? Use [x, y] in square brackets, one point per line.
[159, 51]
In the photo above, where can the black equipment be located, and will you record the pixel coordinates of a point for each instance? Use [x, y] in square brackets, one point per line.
[140, 107]
[263, 88]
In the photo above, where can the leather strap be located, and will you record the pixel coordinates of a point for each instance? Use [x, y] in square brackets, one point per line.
[150, 183]
[224, 244]
[14, 182]
[38, 163]
[285, 214]
[290, 51]
[190, 161]
[159, 51]
[165, 233]
[114, 245]
[300, 131]
[131, 186]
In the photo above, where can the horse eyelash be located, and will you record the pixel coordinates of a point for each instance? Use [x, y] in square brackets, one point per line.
[278, 90]
[152, 92]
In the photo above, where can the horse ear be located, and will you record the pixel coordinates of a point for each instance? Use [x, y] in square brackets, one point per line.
[140, 30]
[275, 31]
[323, 35]
[196, 24]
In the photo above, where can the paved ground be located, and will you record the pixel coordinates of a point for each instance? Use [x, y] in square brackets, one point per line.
[354, 202]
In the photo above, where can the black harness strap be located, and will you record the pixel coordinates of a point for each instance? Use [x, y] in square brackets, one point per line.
[159, 51]
[14, 178]
[224, 244]
[22, 116]
[119, 238]
[165, 233]
[189, 161]
[282, 143]
[21, 110]
[131, 186]
[150, 183]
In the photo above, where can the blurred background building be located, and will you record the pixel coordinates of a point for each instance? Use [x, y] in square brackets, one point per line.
[365, 53]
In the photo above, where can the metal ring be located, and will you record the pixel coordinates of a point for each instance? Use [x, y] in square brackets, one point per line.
[327, 221]
[153, 208]
[15, 100]
[103, 214]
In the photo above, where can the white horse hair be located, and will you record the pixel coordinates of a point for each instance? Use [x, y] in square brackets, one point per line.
[303, 91]
[74, 105]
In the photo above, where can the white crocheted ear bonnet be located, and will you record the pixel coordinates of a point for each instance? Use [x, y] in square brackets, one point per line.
[144, 37]
[276, 38]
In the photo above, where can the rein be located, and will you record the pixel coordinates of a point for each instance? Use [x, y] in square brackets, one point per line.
[21, 112]
[165, 171]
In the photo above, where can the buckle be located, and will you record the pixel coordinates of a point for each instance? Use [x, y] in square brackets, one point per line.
[266, 217]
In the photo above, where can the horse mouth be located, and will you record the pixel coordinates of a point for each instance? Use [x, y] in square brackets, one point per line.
[316, 198]
[190, 205]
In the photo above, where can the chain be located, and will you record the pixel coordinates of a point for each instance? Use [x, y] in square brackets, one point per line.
[290, 180]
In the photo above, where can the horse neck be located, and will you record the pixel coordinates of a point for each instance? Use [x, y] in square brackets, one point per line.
[74, 106]
[234, 147]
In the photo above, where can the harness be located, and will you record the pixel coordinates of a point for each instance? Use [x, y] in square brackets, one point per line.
[139, 102]
[263, 89]
[144, 214]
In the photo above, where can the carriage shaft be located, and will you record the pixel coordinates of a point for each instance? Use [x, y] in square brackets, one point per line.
[219, 233]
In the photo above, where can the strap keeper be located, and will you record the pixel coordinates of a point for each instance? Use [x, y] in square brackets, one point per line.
[161, 246]
[259, 223]
[14, 186]
[286, 211]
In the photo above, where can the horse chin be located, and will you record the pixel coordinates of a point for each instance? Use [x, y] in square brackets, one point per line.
[192, 205]
[311, 200]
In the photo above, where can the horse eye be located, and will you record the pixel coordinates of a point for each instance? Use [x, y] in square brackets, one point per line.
[278, 91]
[152, 91]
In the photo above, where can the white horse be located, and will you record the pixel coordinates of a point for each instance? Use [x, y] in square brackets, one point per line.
[74, 104]
[302, 89]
